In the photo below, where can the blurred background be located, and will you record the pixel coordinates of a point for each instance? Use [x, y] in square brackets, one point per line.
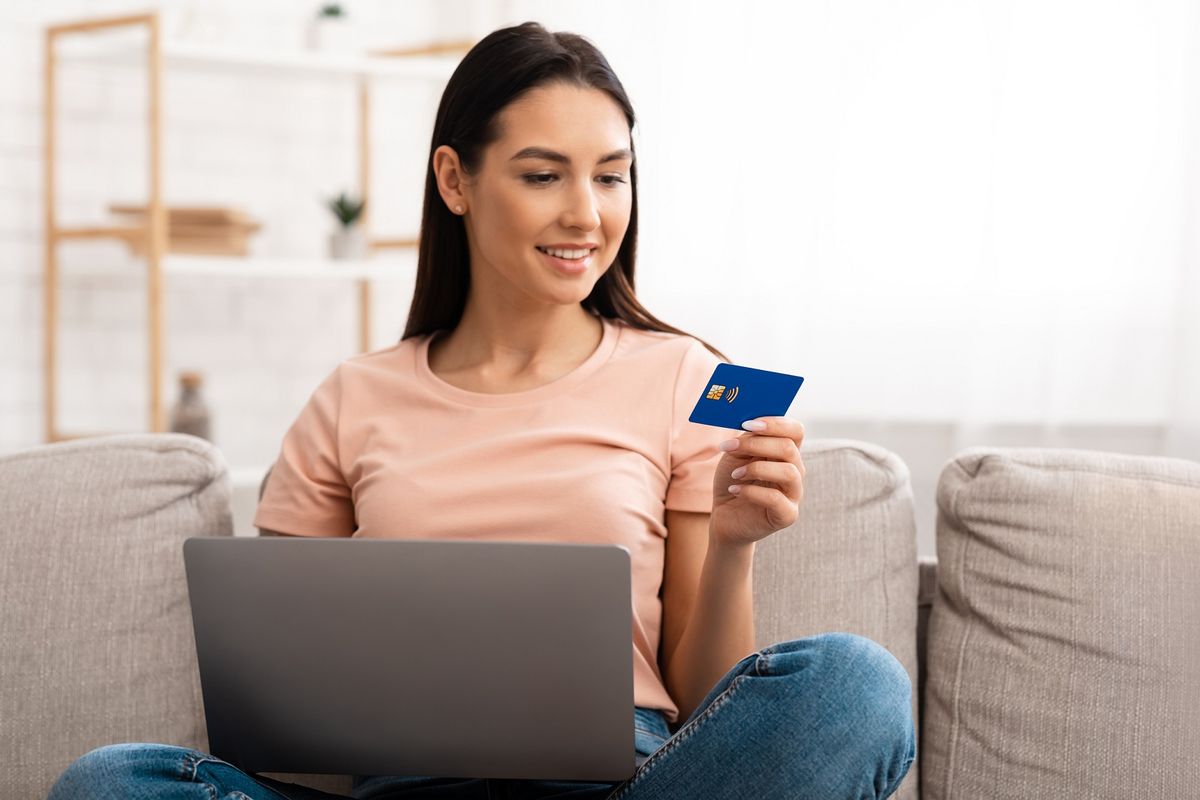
[968, 222]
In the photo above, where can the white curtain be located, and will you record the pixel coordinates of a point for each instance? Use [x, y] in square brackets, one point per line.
[981, 212]
[1183, 411]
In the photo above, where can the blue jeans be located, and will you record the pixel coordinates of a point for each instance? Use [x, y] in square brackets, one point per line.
[826, 716]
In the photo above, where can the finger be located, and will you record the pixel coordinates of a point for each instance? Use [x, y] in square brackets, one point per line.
[778, 426]
[758, 445]
[781, 511]
[785, 475]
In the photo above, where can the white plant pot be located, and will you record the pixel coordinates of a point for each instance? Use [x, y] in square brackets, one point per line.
[330, 35]
[348, 244]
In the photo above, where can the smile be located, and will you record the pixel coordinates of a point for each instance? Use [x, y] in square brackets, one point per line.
[570, 266]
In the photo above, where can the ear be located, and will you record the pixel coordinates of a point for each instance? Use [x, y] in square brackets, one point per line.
[451, 179]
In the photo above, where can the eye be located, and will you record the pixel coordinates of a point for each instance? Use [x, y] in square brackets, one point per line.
[537, 179]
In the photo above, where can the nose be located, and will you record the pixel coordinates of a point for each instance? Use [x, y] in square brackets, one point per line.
[582, 210]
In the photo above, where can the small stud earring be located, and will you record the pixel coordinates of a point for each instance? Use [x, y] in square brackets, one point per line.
[458, 209]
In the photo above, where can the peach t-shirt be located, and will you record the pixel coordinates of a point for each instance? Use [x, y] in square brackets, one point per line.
[384, 448]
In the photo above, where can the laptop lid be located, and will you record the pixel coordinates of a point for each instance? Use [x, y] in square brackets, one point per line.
[415, 657]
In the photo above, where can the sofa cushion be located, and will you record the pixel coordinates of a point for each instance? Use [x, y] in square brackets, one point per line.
[1058, 651]
[96, 625]
[849, 562]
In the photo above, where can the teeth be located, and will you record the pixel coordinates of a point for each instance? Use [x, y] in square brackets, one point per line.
[571, 254]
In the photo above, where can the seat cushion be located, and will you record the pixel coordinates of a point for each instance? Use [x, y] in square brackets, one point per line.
[849, 562]
[94, 616]
[1061, 644]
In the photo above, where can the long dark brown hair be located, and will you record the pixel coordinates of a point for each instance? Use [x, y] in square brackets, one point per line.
[498, 70]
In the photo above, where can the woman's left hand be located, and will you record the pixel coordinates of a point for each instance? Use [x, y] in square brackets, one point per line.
[770, 490]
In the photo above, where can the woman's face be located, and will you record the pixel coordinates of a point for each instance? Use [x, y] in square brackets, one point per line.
[526, 197]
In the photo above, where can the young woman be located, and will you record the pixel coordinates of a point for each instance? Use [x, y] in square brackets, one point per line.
[532, 396]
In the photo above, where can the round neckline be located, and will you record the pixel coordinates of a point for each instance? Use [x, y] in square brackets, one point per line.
[608, 344]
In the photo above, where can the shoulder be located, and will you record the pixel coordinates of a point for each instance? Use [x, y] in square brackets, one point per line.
[665, 358]
[390, 360]
[364, 374]
[660, 347]
[383, 354]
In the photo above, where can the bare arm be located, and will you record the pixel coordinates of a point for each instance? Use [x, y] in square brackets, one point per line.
[708, 608]
[720, 629]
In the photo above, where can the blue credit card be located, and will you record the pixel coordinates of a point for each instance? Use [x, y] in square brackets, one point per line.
[736, 394]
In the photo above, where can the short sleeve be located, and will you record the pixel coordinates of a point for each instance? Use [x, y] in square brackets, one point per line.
[695, 448]
[306, 493]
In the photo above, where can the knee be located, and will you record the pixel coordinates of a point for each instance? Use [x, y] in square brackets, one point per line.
[862, 685]
[117, 766]
[872, 676]
[870, 665]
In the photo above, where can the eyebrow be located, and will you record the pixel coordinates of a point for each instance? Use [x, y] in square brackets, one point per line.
[551, 155]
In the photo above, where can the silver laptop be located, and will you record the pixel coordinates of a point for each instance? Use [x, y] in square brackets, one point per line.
[415, 657]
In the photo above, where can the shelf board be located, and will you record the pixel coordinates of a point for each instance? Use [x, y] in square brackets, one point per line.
[123, 232]
[126, 52]
[393, 266]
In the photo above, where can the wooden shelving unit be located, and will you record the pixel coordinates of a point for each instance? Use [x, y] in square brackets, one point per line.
[433, 61]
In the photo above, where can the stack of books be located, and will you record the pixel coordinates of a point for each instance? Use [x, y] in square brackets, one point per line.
[197, 230]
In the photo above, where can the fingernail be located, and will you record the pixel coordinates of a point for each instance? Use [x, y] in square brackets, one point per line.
[739, 472]
[754, 424]
[729, 444]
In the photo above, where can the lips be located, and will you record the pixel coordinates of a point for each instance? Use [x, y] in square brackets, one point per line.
[571, 266]
[546, 250]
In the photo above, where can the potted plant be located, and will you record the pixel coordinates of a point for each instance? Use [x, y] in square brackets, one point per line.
[330, 30]
[349, 241]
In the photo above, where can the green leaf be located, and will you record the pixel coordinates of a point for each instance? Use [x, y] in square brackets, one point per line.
[346, 208]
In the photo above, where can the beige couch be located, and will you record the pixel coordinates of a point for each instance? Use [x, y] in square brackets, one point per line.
[1058, 661]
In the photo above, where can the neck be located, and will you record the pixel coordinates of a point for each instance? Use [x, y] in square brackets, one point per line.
[504, 347]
